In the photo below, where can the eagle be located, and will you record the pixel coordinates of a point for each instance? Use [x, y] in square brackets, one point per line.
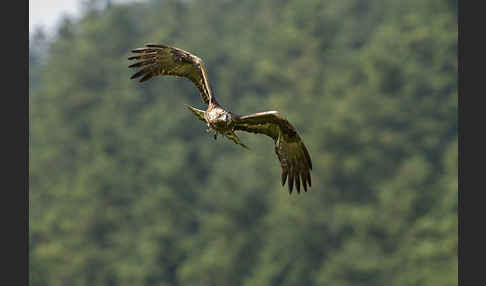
[160, 60]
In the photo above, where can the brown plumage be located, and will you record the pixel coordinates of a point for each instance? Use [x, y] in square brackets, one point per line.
[162, 60]
[158, 60]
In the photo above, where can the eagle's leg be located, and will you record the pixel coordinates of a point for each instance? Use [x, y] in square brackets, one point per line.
[233, 137]
[210, 130]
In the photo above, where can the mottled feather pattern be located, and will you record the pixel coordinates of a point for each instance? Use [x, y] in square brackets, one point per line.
[159, 60]
[291, 151]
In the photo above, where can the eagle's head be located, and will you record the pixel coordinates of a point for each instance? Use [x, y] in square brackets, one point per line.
[219, 117]
[223, 120]
[223, 117]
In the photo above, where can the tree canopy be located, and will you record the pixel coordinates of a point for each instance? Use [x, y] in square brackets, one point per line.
[126, 187]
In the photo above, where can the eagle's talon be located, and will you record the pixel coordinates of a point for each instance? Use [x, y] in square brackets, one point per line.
[289, 148]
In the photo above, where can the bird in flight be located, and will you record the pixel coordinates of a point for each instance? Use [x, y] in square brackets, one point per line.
[159, 60]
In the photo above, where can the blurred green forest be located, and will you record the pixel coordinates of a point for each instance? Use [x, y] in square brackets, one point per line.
[127, 188]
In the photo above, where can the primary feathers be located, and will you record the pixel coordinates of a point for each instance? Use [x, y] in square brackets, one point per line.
[159, 60]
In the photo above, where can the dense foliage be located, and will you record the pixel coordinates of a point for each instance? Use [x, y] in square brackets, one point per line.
[126, 187]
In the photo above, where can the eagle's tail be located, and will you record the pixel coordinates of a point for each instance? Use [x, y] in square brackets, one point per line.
[198, 112]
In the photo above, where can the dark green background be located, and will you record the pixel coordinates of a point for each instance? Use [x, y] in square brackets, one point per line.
[126, 187]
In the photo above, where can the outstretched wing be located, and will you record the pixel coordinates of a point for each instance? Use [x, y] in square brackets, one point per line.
[291, 151]
[158, 60]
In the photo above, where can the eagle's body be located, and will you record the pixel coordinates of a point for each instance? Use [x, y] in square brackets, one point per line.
[158, 60]
[218, 118]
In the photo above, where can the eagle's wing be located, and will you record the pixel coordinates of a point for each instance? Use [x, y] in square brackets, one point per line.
[158, 60]
[291, 151]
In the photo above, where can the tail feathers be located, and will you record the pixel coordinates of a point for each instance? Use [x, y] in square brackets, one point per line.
[231, 136]
[198, 112]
